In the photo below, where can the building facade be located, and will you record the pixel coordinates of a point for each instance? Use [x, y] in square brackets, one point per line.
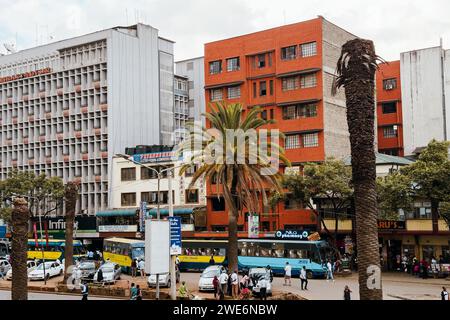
[69, 106]
[288, 71]
[181, 107]
[194, 70]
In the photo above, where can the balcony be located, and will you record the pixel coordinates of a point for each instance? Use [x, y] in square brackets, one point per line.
[343, 225]
[419, 225]
[443, 226]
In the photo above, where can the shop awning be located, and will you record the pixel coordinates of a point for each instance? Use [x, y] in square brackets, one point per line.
[116, 213]
[176, 211]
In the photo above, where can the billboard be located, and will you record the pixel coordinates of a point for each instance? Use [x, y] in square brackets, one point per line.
[253, 226]
[166, 156]
[157, 243]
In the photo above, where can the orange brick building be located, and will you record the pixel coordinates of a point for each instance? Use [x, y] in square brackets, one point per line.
[389, 109]
[288, 71]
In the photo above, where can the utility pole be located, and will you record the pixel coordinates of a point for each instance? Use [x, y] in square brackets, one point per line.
[173, 278]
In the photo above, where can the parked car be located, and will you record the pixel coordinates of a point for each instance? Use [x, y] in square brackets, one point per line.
[5, 266]
[255, 275]
[111, 272]
[164, 279]
[52, 269]
[86, 270]
[206, 278]
[31, 266]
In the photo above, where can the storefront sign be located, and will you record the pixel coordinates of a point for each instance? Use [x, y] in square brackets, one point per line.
[253, 226]
[292, 234]
[167, 156]
[25, 75]
[2, 231]
[390, 225]
[175, 235]
[56, 227]
[120, 228]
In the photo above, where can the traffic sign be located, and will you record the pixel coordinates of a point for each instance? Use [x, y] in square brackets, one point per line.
[175, 235]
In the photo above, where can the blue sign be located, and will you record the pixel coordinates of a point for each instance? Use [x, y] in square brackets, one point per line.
[2, 231]
[166, 156]
[292, 234]
[175, 235]
[142, 215]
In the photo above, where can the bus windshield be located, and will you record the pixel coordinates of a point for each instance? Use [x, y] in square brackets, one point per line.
[138, 253]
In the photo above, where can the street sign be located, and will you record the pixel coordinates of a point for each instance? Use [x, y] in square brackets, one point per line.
[2, 231]
[253, 226]
[175, 235]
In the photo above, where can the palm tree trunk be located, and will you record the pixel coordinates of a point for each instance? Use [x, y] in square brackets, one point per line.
[71, 196]
[232, 228]
[357, 67]
[19, 218]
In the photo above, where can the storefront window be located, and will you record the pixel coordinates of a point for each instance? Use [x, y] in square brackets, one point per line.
[446, 254]
[428, 252]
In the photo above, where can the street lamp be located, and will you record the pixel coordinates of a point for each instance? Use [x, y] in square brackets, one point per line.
[173, 281]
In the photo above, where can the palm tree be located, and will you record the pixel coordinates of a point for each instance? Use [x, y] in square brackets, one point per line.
[19, 220]
[243, 179]
[356, 73]
[70, 196]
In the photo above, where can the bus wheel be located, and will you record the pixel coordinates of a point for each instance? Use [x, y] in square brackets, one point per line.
[309, 274]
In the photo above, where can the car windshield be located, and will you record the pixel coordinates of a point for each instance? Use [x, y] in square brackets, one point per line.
[41, 266]
[210, 273]
[87, 266]
[107, 270]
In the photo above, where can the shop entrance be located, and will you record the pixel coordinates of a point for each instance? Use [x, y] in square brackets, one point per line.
[394, 255]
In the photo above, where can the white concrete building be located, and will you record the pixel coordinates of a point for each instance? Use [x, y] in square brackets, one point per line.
[425, 79]
[181, 107]
[194, 70]
[67, 107]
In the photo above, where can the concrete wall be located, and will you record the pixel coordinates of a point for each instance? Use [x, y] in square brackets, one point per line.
[337, 143]
[422, 97]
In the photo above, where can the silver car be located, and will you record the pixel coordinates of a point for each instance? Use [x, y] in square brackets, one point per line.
[164, 279]
[4, 266]
[206, 279]
[86, 270]
[110, 271]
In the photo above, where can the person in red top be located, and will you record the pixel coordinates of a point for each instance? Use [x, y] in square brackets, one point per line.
[216, 287]
[424, 268]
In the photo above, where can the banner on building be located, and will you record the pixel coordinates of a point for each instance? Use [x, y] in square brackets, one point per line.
[253, 226]
[142, 215]
[175, 236]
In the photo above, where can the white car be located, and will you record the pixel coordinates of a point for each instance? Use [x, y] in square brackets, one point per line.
[52, 269]
[255, 275]
[164, 279]
[111, 272]
[206, 279]
[5, 266]
[31, 266]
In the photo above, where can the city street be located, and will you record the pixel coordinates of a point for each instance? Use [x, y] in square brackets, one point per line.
[6, 295]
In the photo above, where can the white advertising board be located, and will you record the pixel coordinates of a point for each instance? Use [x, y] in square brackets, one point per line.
[157, 245]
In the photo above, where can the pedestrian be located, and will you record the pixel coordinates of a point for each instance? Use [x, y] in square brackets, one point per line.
[133, 292]
[141, 266]
[212, 261]
[138, 293]
[303, 278]
[177, 261]
[2, 273]
[235, 284]
[84, 291]
[100, 275]
[434, 267]
[223, 279]
[263, 288]
[444, 294]
[133, 268]
[183, 291]
[270, 273]
[287, 274]
[244, 281]
[347, 293]
[216, 287]
[329, 271]
[229, 287]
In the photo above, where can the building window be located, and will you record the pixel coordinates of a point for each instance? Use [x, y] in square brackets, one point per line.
[147, 174]
[389, 107]
[308, 49]
[390, 132]
[128, 174]
[291, 204]
[289, 53]
[290, 83]
[271, 87]
[270, 55]
[191, 196]
[299, 111]
[260, 61]
[262, 88]
[218, 204]
[234, 92]
[254, 90]
[190, 171]
[216, 94]
[128, 199]
[264, 114]
[215, 67]
[310, 140]
[292, 142]
[390, 84]
[308, 81]
[233, 64]
[390, 152]
[271, 114]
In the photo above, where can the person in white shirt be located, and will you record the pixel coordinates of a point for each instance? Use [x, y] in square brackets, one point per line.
[235, 284]
[444, 294]
[304, 278]
[262, 283]
[223, 280]
[141, 266]
[329, 271]
[287, 274]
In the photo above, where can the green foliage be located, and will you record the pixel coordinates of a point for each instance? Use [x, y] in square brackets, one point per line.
[444, 210]
[393, 193]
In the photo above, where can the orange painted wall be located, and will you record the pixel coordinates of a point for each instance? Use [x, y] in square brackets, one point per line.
[388, 71]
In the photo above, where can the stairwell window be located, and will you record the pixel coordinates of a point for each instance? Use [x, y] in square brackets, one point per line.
[216, 94]
[290, 83]
[215, 67]
[308, 81]
[390, 132]
[234, 92]
[233, 64]
[308, 49]
[390, 84]
[262, 88]
[289, 53]
[310, 140]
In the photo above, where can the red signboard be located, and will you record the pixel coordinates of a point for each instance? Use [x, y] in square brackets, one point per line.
[25, 75]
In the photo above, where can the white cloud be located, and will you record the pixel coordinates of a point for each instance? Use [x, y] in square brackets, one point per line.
[395, 26]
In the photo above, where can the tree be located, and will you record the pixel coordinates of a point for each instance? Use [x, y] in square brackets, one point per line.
[70, 197]
[393, 194]
[329, 181]
[430, 176]
[19, 231]
[356, 69]
[235, 164]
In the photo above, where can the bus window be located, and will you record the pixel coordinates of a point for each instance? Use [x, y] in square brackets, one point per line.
[293, 254]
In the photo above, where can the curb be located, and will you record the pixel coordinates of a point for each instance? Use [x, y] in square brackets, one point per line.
[66, 293]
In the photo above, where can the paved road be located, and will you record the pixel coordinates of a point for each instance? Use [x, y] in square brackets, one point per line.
[6, 295]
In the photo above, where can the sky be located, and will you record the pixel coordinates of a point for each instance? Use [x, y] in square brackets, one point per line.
[395, 26]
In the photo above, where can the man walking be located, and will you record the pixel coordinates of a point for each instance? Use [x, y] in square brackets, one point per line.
[263, 288]
[141, 266]
[444, 294]
[287, 274]
[84, 291]
[133, 268]
[303, 278]
[223, 279]
[235, 284]
[329, 271]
